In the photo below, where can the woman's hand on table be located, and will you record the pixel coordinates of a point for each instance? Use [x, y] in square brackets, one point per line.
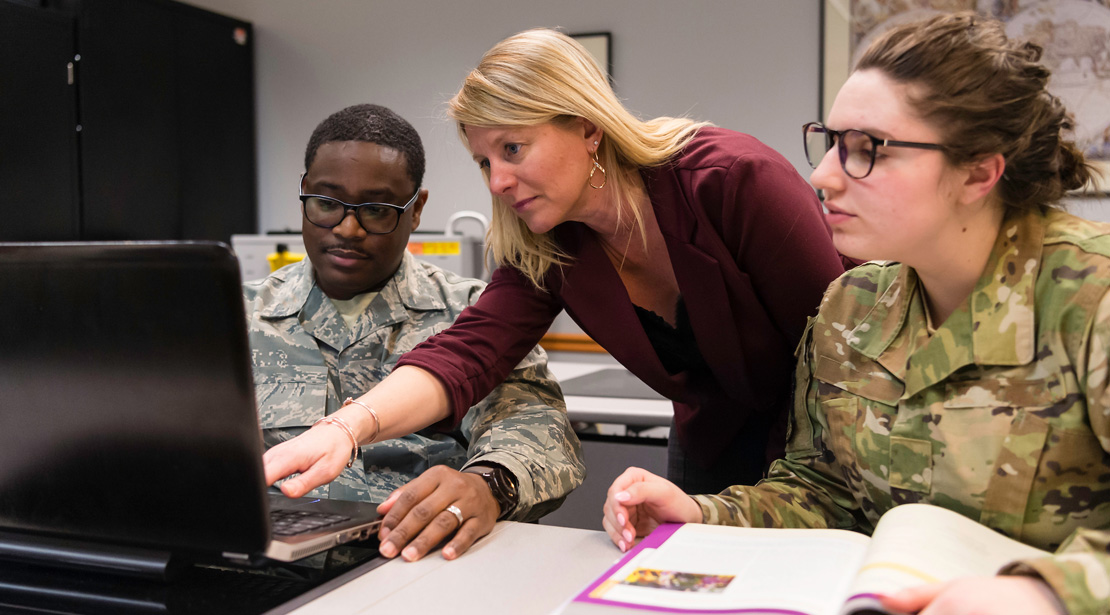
[639, 501]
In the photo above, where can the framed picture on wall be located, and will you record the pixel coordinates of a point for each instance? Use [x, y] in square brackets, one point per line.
[1075, 36]
[600, 46]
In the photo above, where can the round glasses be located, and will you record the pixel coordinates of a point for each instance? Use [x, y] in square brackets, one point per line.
[855, 148]
[374, 218]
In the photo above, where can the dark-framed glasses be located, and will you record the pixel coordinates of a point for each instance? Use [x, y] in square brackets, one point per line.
[855, 148]
[374, 218]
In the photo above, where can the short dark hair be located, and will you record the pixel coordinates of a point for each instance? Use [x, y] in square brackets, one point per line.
[986, 94]
[373, 124]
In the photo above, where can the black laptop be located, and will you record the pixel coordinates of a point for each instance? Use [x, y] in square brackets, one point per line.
[128, 425]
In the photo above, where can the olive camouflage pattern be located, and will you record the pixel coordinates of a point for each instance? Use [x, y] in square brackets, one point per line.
[306, 360]
[1001, 414]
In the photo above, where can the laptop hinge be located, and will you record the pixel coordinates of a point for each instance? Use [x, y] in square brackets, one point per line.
[80, 555]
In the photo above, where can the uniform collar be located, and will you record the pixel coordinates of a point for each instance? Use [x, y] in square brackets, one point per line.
[994, 326]
[413, 287]
[296, 283]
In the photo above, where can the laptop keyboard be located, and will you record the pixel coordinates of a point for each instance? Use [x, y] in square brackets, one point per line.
[294, 522]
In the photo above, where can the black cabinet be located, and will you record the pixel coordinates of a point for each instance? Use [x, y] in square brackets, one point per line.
[158, 125]
[39, 181]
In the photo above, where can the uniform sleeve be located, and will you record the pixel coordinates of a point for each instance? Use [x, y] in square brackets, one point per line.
[487, 340]
[522, 425]
[801, 490]
[1079, 571]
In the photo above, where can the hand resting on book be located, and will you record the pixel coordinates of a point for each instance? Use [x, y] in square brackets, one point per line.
[1008, 595]
[638, 501]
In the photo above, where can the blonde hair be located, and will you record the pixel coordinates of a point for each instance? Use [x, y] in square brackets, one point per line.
[540, 76]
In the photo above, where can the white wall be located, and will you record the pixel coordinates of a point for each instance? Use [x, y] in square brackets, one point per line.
[1093, 207]
[749, 65]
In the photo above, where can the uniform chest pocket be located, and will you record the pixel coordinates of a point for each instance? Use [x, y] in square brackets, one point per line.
[840, 380]
[1026, 420]
[356, 377]
[858, 381]
[291, 396]
[1016, 388]
[859, 404]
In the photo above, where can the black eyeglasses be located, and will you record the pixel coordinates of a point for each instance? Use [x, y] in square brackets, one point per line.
[855, 148]
[374, 218]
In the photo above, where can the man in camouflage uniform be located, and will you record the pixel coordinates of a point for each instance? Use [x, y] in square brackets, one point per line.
[333, 325]
[1001, 414]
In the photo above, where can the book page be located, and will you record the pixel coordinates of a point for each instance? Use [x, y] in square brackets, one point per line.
[731, 569]
[918, 544]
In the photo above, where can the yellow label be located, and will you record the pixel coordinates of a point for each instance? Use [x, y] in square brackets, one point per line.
[280, 259]
[434, 247]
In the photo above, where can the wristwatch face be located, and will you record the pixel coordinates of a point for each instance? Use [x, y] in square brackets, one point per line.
[501, 484]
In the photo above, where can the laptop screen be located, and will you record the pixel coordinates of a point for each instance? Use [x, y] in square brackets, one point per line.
[127, 411]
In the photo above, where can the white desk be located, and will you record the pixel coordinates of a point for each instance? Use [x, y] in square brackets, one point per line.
[620, 410]
[520, 568]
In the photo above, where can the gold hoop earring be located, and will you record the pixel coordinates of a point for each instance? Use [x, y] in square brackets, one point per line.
[597, 167]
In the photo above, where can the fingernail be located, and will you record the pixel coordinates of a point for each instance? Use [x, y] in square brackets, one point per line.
[622, 496]
[448, 552]
[620, 519]
[627, 535]
[388, 549]
[622, 545]
[409, 554]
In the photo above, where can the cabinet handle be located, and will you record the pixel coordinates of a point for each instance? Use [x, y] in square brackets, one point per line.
[69, 73]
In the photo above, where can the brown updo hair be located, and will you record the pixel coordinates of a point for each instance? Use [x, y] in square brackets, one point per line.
[986, 94]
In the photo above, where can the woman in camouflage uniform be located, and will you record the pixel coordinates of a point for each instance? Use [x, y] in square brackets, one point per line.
[969, 370]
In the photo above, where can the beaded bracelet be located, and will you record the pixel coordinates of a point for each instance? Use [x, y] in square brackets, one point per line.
[377, 421]
[340, 423]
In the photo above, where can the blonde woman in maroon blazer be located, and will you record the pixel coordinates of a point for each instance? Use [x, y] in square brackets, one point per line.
[693, 254]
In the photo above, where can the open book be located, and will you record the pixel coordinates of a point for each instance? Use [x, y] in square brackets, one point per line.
[695, 568]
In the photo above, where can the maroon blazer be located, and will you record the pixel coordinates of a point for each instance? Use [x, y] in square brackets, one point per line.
[752, 254]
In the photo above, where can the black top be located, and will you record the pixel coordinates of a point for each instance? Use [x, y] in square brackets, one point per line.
[676, 347]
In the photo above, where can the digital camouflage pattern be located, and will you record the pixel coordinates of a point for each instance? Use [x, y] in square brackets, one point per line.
[307, 360]
[1002, 414]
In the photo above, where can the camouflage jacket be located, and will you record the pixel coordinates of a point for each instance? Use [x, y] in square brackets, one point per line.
[1002, 414]
[306, 360]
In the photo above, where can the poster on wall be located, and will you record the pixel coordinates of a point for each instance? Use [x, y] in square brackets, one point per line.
[1074, 34]
[600, 46]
